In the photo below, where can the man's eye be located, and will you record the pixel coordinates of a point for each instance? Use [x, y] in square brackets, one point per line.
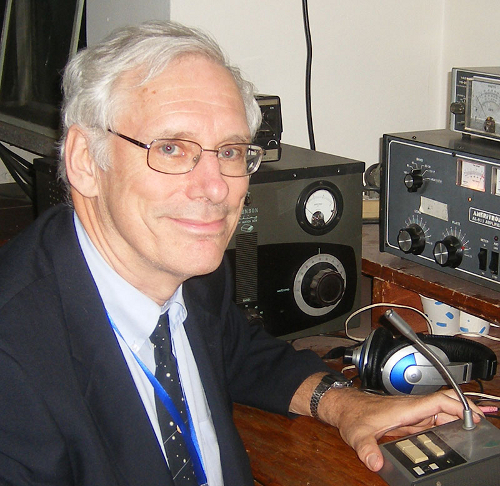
[230, 153]
[170, 149]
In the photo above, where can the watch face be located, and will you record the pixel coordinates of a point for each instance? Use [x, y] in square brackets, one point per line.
[329, 379]
[336, 382]
[342, 384]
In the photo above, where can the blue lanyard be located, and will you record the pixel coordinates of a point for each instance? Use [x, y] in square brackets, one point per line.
[189, 438]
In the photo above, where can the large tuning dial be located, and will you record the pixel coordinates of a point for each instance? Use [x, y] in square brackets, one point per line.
[319, 284]
[448, 252]
[414, 180]
[412, 239]
[326, 287]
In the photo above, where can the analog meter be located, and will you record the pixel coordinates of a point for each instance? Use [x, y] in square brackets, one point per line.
[471, 175]
[319, 207]
[495, 181]
[482, 114]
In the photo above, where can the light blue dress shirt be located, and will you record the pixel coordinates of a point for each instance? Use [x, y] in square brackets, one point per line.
[136, 316]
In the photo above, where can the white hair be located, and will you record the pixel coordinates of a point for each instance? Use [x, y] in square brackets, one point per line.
[91, 99]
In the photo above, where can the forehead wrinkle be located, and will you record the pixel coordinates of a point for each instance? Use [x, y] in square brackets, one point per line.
[168, 102]
[179, 120]
[190, 99]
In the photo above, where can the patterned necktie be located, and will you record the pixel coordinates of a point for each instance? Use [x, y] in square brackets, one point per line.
[179, 461]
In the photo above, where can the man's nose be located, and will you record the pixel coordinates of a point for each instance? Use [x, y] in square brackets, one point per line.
[207, 179]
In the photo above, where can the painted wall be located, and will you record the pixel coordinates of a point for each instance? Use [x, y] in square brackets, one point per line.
[104, 16]
[378, 67]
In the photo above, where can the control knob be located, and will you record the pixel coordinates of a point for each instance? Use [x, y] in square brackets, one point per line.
[414, 180]
[324, 288]
[412, 239]
[457, 108]
[448, 252]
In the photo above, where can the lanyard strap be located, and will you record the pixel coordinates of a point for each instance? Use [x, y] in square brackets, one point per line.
[189, 438]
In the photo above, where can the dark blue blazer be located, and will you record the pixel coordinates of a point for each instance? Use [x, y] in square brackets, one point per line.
[70, 413]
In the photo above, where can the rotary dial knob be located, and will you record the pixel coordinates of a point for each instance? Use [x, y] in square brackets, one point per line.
[457, 108]
[326, 288]
[412, 239]
[448, 252]
[320, 284]
[414, 180]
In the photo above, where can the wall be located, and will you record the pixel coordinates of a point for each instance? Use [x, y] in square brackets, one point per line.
[378, 67]
[104, 16]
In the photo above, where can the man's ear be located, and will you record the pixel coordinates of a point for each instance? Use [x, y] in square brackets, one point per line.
[81, 169]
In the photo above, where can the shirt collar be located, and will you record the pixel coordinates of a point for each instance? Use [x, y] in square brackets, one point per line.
[134, 313]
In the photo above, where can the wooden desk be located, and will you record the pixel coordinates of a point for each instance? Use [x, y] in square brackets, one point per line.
[303, 451]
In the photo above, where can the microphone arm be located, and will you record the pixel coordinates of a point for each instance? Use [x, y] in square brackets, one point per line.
[404, 328]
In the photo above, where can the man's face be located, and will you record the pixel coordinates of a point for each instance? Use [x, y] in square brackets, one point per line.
[149, 223]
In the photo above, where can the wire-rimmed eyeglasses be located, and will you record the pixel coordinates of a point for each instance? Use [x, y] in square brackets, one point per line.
[178, 156]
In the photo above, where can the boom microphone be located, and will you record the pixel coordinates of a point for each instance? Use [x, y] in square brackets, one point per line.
[403, 327]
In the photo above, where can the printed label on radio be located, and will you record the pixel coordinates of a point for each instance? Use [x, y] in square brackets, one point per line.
[479, 216]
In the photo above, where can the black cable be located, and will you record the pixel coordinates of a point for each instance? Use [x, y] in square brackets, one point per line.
[307, 30]
[492, 415]
[20, 169]
[16, 163]
[335, 353]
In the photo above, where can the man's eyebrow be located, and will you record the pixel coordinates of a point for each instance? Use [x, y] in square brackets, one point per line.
[235, 138]
[239, 138]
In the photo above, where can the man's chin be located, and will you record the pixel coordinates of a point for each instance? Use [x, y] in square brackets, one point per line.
[204, 262]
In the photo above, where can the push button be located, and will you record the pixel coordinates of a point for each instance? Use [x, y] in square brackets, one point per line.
[411, 451]
[427, 442]
[483, 258]
[494, 263]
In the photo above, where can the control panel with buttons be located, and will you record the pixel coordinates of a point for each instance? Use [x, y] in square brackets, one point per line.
[425, 454]
[447, 455]
[440, 200]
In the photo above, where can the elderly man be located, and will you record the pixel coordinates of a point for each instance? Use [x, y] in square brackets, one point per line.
[157, 153]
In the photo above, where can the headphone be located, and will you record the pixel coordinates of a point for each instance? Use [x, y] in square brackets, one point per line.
[394, 365]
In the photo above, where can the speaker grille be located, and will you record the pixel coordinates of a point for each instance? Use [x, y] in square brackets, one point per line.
[246, 268]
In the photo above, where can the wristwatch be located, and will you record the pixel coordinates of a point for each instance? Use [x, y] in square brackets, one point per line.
[327, 382]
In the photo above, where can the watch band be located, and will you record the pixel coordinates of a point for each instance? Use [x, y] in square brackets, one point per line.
[327, 382]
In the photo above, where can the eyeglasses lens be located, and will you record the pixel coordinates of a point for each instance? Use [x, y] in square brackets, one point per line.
[177, 156]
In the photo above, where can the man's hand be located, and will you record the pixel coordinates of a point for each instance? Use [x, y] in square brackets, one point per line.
[363, 418]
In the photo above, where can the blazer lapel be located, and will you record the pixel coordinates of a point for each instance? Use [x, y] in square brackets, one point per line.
[102, 373]
[204, 333]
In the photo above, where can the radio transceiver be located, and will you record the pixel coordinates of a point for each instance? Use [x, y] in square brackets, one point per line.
[440, 200]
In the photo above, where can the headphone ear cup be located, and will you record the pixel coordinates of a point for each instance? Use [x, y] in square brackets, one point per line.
[381, 343]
